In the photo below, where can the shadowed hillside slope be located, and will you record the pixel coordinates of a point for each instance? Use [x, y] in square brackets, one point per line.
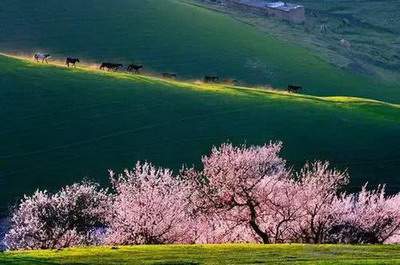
[60, 125]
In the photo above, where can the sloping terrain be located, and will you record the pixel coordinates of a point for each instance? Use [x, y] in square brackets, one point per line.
[211, 254]
[370, 28]
[60, 125]
[175, 36]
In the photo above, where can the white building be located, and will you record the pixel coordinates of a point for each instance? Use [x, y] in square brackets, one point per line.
[287, 11]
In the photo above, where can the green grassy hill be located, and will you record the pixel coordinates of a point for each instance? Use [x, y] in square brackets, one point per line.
[60, 125]
[171, 35]
[210, 254]
[371, 27]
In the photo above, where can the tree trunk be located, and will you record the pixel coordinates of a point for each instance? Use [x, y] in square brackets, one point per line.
[253, 223]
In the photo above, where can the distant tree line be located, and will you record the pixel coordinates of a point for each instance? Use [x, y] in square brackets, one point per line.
[242, 194]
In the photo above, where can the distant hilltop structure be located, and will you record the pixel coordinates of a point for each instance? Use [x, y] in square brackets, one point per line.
[286, 11]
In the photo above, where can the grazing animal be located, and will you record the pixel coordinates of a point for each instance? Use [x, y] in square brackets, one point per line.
[294, 89]
[230, 81]
[42, 57]
[72, 61]
[211, 79]
[110, 66]
[169, 75]
[134, 68]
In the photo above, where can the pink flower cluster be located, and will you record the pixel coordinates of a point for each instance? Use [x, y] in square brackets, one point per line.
[242, 194]
[69, 217]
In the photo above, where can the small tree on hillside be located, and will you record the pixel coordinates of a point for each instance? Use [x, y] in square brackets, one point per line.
[150, 207]
[66, 218]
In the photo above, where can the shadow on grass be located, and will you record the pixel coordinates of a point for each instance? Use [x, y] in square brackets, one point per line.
[26, 261]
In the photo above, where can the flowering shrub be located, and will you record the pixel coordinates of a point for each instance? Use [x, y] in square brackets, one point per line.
[149, 207]
[368, 217]
[319, 205]
[66, 218]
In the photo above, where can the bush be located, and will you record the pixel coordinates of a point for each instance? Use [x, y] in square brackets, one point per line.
[67, 218]
[369, 216]
[149, 207]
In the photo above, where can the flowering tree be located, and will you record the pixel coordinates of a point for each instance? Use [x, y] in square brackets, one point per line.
[367, 217]
[149, 207]
[319, 188]
[241, 184]
[66, 218]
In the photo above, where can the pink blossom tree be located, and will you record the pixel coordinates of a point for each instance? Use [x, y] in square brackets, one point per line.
[245, 186]
[319, 188]
[368, 217]
[149, 207]
[66, 218]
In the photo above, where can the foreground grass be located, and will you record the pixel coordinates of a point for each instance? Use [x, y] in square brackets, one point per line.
[210, 254]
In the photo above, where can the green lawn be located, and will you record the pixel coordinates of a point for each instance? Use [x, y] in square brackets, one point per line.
[61, 125]
[210, 254]
[174, 36]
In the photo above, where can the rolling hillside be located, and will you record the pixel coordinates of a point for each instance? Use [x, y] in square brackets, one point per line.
[371, 28]
[175, 36]
[60, 125]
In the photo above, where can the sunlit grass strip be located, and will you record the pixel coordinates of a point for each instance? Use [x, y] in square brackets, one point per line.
[199, 85]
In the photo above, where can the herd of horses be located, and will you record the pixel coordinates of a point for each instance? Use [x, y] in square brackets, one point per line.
[135, 68]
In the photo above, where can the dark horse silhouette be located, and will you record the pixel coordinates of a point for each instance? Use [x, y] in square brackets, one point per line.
[211, 79]
[134, 68]
[294, 89]
[110, 66]
[71, 61]
[169, 75]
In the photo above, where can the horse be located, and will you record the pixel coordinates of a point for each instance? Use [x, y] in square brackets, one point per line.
[294, 89]
[169, 75]
[211, 79]
[111, 66]
[134, 67]
[41, 56]
[71, 61]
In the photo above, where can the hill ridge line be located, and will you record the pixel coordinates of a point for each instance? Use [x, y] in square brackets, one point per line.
[92, 68]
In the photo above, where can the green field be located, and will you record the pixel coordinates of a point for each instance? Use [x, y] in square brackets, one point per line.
[210, 254]
[371, 27]
[174, 36]
[60, 125]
